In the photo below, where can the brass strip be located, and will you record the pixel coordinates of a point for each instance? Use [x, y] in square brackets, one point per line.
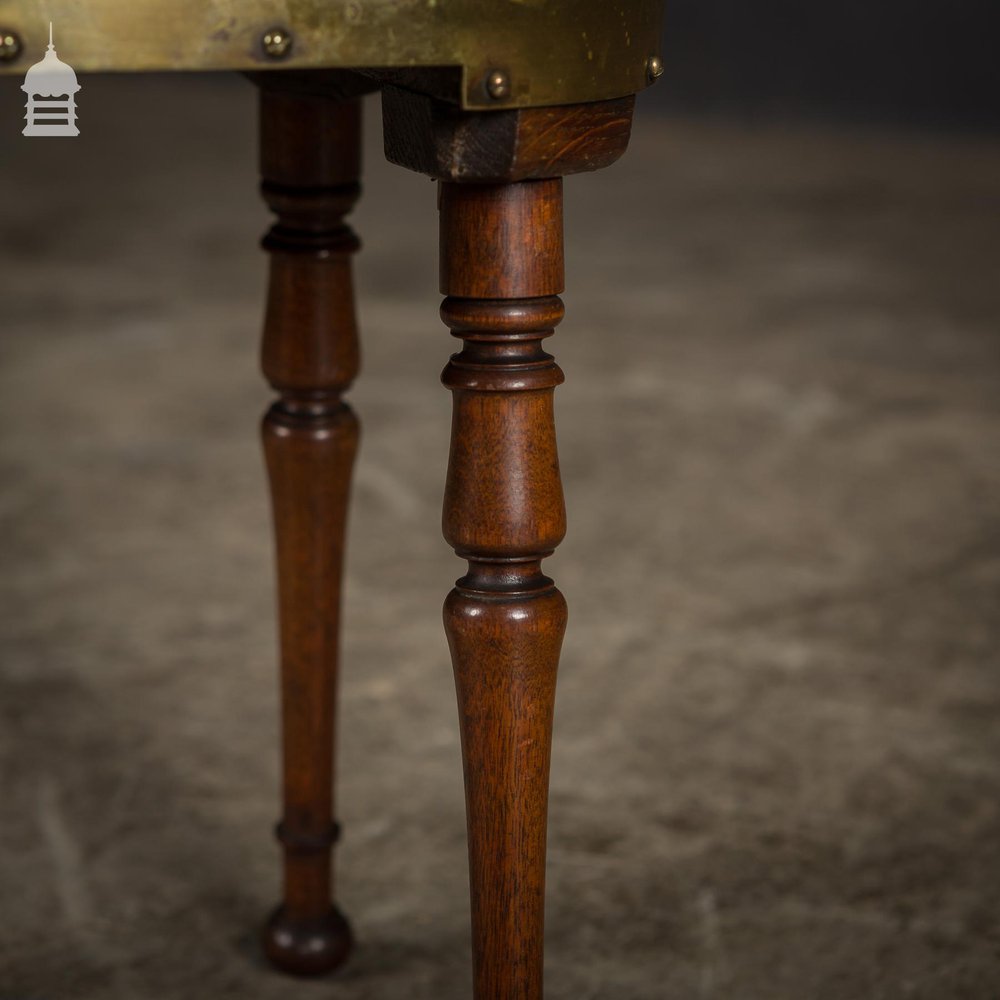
[550, 51]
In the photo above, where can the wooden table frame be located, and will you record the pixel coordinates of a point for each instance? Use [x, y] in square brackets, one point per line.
[501, 244]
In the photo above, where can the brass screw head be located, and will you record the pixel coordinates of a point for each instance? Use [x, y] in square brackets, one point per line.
[10, 45]
[654, 68]
[276, 42]
[497, 84]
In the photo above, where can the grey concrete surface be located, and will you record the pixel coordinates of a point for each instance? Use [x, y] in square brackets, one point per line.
[776, 766]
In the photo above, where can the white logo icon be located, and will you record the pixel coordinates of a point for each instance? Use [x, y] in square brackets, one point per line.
[50, 86]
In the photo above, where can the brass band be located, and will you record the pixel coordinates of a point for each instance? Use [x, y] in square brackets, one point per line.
[522, 53]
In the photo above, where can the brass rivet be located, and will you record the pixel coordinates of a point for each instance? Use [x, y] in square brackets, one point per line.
[277, 43]
[654, 68]
[10, 45]
[497, 84]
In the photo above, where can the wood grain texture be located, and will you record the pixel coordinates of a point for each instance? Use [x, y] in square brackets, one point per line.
[502, 268]
[309, 165]
[436, 138]
[504, 241]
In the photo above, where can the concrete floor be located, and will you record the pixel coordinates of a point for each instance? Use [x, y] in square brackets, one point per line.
[776, 771]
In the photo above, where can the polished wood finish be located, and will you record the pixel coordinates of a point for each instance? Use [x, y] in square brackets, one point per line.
[501, 249]
[310, 167]
[502, 270]
[436, 138]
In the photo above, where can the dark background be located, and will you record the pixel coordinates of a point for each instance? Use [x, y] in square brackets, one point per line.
[921, 63]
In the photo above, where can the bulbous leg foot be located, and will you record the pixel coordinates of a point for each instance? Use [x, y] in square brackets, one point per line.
[307, 947]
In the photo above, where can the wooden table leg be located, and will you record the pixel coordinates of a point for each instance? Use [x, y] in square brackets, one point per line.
[310, 167]
[502, 270]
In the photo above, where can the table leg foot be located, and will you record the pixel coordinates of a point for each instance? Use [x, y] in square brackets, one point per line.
[306, 946]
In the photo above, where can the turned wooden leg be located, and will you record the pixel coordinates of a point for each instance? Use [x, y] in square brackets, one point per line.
[310, 166]
[502, 270]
